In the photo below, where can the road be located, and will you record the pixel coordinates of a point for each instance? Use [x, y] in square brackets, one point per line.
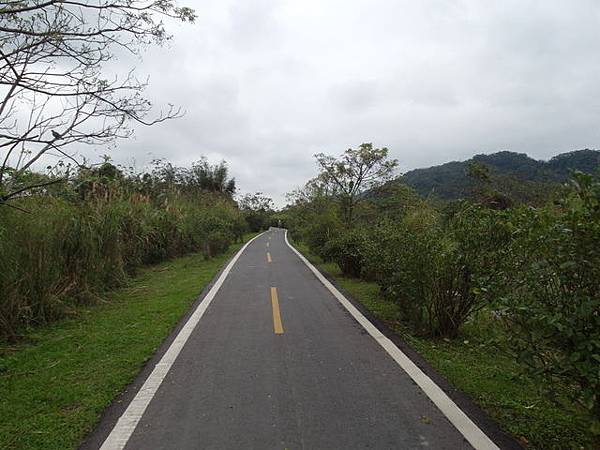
[277, 362]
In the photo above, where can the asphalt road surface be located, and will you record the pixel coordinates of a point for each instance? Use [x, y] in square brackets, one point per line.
[277, 362]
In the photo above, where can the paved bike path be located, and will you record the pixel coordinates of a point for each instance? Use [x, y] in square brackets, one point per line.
[318, 382]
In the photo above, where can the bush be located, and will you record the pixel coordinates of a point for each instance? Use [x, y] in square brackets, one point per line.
[257, 220]
[552, 307]
[319, 232]
[347, 251]
[434, 269]
[416, 265]
[380, 257]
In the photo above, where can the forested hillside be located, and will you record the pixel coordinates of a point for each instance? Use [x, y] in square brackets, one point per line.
[450, 181]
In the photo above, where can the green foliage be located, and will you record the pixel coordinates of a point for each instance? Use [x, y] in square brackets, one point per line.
[346, 249]
[428, 273]
[89, 235]
[320, 231]
[532, 272]
[313, 219]
[391, 201]
[257, 209]
[354, 172]
[408, 271]
[552, 300]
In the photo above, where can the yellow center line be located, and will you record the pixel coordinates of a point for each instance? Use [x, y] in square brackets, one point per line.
[269, 257]
[277, 326]
[267, 244]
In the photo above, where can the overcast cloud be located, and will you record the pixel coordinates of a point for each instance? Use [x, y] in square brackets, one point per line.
[266, 84]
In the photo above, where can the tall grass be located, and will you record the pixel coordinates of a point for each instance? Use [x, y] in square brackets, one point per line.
[72, 246]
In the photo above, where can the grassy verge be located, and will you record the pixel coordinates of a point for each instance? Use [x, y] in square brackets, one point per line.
[477, 368]
[56, 382]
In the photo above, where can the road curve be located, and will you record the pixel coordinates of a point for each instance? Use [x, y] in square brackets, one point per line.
[276, 362]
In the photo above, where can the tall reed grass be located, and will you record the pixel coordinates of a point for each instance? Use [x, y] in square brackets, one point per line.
[69, 249]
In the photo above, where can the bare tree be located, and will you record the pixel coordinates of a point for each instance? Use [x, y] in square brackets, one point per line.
[354, 172]
[53, 87]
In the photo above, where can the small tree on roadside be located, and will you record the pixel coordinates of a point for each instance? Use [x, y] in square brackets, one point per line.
[354, 172]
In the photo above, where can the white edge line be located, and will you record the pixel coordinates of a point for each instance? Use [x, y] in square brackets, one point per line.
[471, 432]
[123, 429]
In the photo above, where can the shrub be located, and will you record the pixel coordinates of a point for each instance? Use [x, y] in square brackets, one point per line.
[318, 232]
[433, 269]
[416, 258]
[552, 308]
[347, 251]
[380, 257]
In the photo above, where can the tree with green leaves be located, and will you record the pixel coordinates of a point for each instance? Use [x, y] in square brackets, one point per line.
[211, 177]
[354, 172]
[257, 209]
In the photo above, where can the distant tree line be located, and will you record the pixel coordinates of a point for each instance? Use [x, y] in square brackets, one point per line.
[519, 177]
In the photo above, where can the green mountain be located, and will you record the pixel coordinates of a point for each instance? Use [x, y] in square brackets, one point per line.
[514, 173]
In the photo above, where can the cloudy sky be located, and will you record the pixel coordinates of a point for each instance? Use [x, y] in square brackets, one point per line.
[266, 84]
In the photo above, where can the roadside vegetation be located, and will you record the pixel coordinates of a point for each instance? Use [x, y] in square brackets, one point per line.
[96, 352]
[484, 285]
[71, 243]
[500, 290]
[74, 235]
